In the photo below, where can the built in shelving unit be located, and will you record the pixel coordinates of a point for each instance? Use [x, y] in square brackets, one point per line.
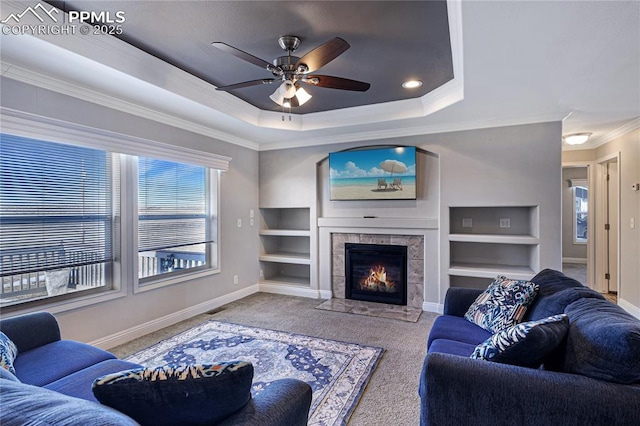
[488, 241]
[285, 236]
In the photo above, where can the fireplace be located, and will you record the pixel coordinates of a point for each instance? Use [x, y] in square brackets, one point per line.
[376, 273]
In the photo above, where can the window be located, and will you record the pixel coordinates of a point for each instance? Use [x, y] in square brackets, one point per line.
[80, 220]
[580, 210]
[57, 217]
[176, 227]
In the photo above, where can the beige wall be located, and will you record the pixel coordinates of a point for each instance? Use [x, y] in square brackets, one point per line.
[629, 168]
[578, 156]
[628, 147]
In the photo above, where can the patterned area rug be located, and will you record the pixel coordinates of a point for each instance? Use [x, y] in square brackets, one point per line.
[338, 372]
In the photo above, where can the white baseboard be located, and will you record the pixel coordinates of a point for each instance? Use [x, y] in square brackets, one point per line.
[325, 294]
[290, 290]
[132, 333]
[632, 309]
[433, 307]
[579, 260]
[171, 319]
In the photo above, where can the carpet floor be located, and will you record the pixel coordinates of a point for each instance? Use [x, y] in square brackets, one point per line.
[391, 397]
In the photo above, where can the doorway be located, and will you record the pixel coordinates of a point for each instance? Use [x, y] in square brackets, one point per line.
[577, 257]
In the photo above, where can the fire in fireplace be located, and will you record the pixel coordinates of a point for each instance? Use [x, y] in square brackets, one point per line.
[376, 273]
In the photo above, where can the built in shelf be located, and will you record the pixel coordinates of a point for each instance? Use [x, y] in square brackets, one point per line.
[285, 232]
[293, 258]
[488, 241]
[285, 235]
[495, 238]
[485, 270]
[286, 280]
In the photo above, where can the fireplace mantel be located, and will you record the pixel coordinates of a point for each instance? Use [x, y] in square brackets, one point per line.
[378, 222]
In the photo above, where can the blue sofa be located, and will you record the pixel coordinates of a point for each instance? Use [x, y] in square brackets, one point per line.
[53, 380]
[591, 378]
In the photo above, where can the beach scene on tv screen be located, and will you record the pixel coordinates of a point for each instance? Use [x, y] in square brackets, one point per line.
[373, 174]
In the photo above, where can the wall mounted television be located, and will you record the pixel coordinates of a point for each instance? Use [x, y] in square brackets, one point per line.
[373, 174]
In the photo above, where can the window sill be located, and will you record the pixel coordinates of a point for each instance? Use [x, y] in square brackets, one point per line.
[178, 279]
[55, 307]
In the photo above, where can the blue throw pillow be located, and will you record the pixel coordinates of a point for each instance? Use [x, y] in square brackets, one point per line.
[8, 353]
[502, 304]
[525, 344]
[185, 395]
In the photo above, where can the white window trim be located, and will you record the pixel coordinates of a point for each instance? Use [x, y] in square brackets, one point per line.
[38, 127]
[34, 126]
[574, 184]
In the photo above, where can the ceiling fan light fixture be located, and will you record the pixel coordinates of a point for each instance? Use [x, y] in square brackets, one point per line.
[576, 138]
[303, 96]
[412, 84]
[277, 97]
[287, 89]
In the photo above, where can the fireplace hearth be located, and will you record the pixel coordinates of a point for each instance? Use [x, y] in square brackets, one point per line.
[376, 273]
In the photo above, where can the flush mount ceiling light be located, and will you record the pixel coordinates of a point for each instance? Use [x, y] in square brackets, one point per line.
[412, 84]
[576, 138]
[291, 70]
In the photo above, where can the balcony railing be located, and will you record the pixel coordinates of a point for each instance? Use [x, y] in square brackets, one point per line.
[33, 285]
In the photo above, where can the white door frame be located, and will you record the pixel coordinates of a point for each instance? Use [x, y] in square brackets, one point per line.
[600, 240]
[591, 203]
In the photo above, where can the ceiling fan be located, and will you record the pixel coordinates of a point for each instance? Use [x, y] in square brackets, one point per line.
[290, 70]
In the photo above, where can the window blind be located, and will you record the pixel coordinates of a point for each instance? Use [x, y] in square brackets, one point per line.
[55, 205]
[172, 205]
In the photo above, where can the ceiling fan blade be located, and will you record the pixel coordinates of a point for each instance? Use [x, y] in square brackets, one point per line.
[246, 84]
[323, 54]
[337, 83]
[246, 56]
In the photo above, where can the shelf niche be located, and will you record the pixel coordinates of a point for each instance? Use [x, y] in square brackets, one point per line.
[285, 236]
[481, 247]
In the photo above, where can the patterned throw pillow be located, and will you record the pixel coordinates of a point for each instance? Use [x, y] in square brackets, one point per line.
[185, 395]
[525, 344]
[502, 304]
[8, 353]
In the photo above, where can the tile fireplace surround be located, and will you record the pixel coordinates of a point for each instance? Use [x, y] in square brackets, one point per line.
[415, 261]
[420, 235]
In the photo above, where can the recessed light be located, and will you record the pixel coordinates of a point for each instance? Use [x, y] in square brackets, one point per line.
[412, 84]
[576, 138]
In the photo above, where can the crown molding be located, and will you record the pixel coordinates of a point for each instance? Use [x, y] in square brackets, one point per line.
[47, 82]
[616, 133]
[413, 131]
